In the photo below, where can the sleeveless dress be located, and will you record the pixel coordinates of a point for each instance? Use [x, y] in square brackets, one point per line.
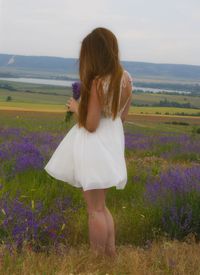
[93, 160]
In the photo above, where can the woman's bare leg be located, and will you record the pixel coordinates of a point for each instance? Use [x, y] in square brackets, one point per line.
[98, 231]
[110, 244]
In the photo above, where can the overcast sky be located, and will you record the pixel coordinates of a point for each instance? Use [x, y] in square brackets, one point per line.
[160, 31]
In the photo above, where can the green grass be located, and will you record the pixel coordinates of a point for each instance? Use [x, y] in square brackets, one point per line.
[36, 87]
[40, 186]
[131, 225]
[155, 98]
[55, 95]
[24, 97]
[135, 224]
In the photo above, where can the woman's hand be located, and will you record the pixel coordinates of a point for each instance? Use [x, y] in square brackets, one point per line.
[72, 105]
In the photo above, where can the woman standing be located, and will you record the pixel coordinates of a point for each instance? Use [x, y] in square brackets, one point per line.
[91, 155]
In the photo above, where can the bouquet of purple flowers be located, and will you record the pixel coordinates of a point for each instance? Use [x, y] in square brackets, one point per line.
[76, 90]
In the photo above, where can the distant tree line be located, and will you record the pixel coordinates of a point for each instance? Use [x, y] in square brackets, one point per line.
[175, 114]
[166, 103]
[177, 123]
[164, 92]
[7, 87]
[183, 114]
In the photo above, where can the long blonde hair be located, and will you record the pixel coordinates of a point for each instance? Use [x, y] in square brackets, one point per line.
[99, 57]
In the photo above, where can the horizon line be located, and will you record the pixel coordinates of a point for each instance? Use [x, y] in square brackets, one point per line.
[32, 55]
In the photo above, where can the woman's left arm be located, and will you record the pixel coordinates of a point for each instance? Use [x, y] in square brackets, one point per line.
[94, 107]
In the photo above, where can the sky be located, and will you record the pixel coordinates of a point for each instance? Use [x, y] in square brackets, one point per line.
[158, 31]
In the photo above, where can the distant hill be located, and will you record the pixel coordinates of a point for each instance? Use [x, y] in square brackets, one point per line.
[51, 67]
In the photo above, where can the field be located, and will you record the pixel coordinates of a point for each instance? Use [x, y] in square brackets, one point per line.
[142, 98]
[44, 227]
[44, 97]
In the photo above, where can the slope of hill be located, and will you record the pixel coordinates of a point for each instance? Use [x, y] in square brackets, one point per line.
[45, 66]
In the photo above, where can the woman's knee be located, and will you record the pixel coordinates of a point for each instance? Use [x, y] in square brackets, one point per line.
[94, 211]
[96, 207]
[95, 199]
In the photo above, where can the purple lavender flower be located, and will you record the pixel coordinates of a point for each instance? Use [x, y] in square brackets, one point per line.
[29, 150]
[176, 193]
[167, 145]
[76, 90]
[22, 223]
[177, 220]
[176, 182]
[18, 156]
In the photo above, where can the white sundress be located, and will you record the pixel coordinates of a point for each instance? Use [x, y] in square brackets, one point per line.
[93, 160]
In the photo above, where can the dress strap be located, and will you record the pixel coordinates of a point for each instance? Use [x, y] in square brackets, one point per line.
[122, 109]
[123, 85]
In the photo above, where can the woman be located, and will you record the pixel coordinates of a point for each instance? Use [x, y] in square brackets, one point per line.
[91, 155]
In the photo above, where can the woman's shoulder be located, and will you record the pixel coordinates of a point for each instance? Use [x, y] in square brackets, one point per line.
[127, 75]
[126, 78]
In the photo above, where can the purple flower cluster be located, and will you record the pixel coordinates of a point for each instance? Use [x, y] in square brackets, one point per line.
[137, 141]
[44, 141]
[176, 192]
[76, 89]
[166, 145]
[173, 183]
[23, 223]
[177, 220]
[19, 156]
[21, 150]
[6, 133]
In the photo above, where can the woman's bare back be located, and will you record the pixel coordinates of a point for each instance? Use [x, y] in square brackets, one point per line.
[125, 96]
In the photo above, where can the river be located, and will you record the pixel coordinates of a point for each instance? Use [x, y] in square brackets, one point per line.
[68, 83]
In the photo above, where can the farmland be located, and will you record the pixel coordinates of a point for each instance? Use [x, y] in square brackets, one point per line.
[157, 211]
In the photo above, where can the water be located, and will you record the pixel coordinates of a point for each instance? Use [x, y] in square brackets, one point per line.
[156, 90]
[65, 83]
[68, 83]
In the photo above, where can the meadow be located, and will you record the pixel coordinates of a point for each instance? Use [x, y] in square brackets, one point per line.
[26, 96]
[43, 227]
[43, 221]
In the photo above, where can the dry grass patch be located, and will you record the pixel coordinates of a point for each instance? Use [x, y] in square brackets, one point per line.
[163, 257]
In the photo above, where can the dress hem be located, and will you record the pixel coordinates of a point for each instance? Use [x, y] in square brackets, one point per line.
[120, 186]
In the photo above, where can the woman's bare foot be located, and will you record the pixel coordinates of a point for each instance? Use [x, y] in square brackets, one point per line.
[111, 252]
